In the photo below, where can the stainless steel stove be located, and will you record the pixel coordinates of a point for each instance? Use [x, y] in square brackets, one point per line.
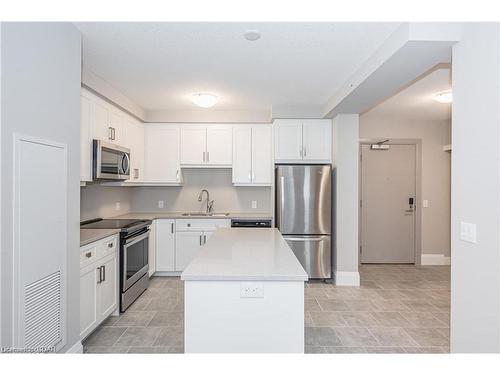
[134, 247]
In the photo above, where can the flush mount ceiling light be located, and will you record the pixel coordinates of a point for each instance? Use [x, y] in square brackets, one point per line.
[252, 35]
[204, 100]
[444, 97]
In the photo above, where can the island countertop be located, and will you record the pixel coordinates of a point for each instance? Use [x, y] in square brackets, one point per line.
[245, 254]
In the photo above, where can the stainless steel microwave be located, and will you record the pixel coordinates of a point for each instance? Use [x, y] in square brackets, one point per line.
[109, 161]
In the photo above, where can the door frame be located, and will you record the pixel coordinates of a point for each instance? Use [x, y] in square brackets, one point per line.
[418, 189]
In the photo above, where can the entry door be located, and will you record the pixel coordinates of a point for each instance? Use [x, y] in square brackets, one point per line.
[387, 217]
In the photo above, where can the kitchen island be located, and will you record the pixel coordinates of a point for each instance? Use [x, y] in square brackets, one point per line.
[244, 293]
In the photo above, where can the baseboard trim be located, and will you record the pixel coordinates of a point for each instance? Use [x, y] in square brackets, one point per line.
[347, 278]
[435, 260]
[76, 349]
[167, 273]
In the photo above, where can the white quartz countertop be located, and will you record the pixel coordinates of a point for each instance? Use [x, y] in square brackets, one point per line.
[245, 254]
[91, 235]
[178, 215]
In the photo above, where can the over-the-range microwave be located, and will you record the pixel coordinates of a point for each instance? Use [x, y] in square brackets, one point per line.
[110, 161]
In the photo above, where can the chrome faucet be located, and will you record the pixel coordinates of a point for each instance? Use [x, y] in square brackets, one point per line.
[210, 203]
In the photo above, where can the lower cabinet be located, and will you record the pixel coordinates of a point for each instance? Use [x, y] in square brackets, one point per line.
[188, 245]
[177, 242]
[98, 283]
[165, 245]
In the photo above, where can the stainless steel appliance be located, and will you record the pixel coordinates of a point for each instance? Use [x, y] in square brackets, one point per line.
[250, 223]
[109, 161]
[304, 215]
[134, 247]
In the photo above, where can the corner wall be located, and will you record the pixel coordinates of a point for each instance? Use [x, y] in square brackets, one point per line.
[475, 267]
[345, 198]
[40, 97]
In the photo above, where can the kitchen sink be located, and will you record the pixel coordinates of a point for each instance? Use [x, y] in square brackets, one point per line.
[203, 214]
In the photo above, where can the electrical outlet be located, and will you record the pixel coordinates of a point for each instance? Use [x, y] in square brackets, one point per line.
[468, 232]
[254, 204]
[251, 290]
[161, 204]
[117, 206]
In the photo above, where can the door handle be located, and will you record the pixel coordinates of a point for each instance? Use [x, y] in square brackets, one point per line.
[100, 275]
[203, 156]
[200, 239]
[305, 151]
[208, 156]
[103, 273]
[204, 239]
[303, 239]
[172, 227]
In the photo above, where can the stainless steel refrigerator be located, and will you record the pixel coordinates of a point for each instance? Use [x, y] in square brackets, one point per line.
[304, 215]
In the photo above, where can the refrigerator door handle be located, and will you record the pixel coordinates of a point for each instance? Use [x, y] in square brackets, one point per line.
[282, 199]
[304, 239]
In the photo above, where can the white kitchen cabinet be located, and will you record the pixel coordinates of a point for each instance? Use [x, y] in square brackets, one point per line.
[165, 245]
[252, 155]
[162, 154]
[288, 140]
[101, 127]
[219, 140]
[206, 145]
[317, 140]
[303, 141]
[135, 131]
[191, 235]
[187, 246]
[119, 134]
[98, 283]
[108, 287]
[89, 277]
[152, 248]
[85, 137]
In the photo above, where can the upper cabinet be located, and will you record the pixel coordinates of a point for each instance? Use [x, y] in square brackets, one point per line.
[206, 146]
[303, 141]
[252, 155]
[162, 154]
[135, 132]
[85, 138]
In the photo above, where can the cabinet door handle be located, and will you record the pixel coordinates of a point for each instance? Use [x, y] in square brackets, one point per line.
[110, 245]
[88, 255]
[204, 238]
[103, 273]
[301, 152]
[250, 175]
[114, 133]
[253, 175]
[172, 227]
[203, 156]
[110, 133]
[200, 240]
[208, 157]
[305, 151]
[100, 275]
[177, 175]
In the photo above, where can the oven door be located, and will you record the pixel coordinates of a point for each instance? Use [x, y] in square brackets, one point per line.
[134, 259]
[110, 162]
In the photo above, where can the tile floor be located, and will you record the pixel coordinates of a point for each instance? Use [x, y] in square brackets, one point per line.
[397, 309]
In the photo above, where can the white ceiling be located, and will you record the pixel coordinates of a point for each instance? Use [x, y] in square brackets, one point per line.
[416, 101]
[159, 65]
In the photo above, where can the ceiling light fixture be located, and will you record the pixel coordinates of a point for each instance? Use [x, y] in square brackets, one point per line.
[445, 97]
[252, 35]
[204, 100]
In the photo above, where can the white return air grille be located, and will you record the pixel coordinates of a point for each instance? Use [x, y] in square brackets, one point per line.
[43, 312]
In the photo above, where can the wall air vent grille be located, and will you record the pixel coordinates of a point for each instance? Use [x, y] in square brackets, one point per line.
[43, 312]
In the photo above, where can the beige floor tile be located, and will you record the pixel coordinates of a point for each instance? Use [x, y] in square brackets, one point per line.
[426, 349]
[391, 320]
[311, 304]
[170, 336]
[105, 349]
[392, 337]
[138, 336]
[327, 319]
[344, 349]
[428, 336]
[356, 336]
[333, 305]
[104, 336]
[134, 319]
[359, 319]
[361, 305]
[321, 336]
[424, 320]
[385, 350]
[167, 319]
[309, 349]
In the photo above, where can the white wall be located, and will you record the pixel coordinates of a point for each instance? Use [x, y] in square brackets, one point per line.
[475, 267]
[100, 201]
[40, 88]
[228, 198]
[436, 170]
[345, 198]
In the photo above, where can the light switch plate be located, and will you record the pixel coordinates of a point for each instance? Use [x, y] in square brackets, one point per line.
[251, 290]
[161, 204]
[117, 206]
[425, 203]
[468, 232]
[254, 204]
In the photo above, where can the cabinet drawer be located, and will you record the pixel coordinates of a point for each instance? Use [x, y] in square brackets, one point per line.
[88, 254]
[107, 246]
[183, 225]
